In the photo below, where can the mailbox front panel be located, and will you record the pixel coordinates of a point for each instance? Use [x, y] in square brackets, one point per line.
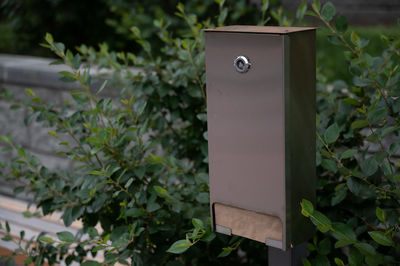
[246, 132]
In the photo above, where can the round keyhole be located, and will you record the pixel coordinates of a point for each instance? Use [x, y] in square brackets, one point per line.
[242, 64]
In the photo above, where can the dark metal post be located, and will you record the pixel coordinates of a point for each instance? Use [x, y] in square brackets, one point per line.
[292, 257]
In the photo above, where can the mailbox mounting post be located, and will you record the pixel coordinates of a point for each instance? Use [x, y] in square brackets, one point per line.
[261, 131]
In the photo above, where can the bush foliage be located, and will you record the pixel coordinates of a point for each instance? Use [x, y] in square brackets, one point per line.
[23, 23]
[141, 155]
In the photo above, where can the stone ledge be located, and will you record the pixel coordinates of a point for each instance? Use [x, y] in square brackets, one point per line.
[37, 72]
[32, 71]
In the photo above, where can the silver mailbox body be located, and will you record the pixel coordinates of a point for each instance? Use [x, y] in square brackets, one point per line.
[261, 131]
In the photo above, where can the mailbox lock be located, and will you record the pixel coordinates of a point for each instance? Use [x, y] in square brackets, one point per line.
[242, 64]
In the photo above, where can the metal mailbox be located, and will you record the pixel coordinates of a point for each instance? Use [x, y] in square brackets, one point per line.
[261, 131]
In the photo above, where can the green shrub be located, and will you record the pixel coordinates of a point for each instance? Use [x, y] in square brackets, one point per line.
[330, 56]
[23, 23]
[141, 157]
[357, 166]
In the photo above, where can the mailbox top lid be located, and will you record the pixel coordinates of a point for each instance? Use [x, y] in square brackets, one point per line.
[259, 29]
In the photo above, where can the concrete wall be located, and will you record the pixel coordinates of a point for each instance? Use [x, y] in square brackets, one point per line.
[16, 74]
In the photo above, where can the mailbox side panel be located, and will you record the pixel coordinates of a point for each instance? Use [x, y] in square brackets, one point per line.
[245, 113]
[300, 131]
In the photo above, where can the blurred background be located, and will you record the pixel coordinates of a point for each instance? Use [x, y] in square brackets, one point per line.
[23, 23]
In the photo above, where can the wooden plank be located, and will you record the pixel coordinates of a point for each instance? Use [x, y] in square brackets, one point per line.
[249, 224]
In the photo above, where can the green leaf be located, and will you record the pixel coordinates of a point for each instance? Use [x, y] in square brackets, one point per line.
[197, 223]
[301, 11]
[66, 236]
[134, 212]
[387, 130]
[320, 260]
[340, 194]
[135, 31]
[324, 247]
[18, 190]
[139, 171]
[49, 38]
[222, 16]
[67, 74]
[95, 172]
[354, 38]
[328, 11]
[179, 247]
[378, 259]
[92, 232]
[52, 133]
[310, 247]
[336, 41]
[306, 262]
[366, 249]
[343, 243]
[99, 248]
[77, 211]
[265, 5]
[208, 236]
[202, 117]
[102, 87]
[28, 214]
[110, 258]
[376, 114]
[160, 190]
[30, 92]
[343, 231]
[155, 159]
[90, 263]
[316, 5]
[339, 262]
[312, 13]
[321, 221]
[153, 206]
[348, 154]
[351, 101]
[59, 47]
[76, 61]
[341, 24]
[203, 197]
[6, 238]
[355, 257]
[180, 7]
[364, 82]
[141, 107]
[225, 252]
[307, 207]
[359, 188]
[201, 178]
[46, 239]
[381, 214]
[130, 181]
[381, 238]
[67, 217]
[369, 166]
[329, 165]
[359, 124]
[7, 227]
[332, 133]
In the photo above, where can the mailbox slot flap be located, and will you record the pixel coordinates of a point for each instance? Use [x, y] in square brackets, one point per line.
[249, 224]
